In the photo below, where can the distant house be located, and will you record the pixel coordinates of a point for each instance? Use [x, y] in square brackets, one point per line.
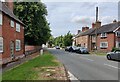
[103, 38]
[11, 34]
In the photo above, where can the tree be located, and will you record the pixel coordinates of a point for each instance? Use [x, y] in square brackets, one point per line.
[33, 15]
[68, 39]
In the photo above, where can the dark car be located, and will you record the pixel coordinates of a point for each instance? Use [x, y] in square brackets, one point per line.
[57, 47]
[67, 48]
[71, 48]
[82, 50]
[115, 55]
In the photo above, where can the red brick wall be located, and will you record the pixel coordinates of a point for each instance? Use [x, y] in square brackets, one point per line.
[9, 34]
[83, 40]
[110, 39]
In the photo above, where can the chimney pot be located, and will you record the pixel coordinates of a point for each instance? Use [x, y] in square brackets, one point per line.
[84, 29]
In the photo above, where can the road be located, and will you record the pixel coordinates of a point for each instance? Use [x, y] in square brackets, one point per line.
[88, 67]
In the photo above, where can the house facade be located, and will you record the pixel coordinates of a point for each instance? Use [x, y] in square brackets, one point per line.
[102, 38]
[11, 34]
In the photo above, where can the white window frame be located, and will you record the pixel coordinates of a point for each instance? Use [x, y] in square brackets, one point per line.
[1, 18]
[1, 44]
[12, 23]
[118, 33]
[103, 35]
[17, 27]
[18, 45]
[101, 46]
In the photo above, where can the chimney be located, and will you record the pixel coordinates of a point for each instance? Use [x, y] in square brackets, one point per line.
[93, 25]
[114, 21]
[9, 4]
[98, 24]
[78, 31]
[84, 29]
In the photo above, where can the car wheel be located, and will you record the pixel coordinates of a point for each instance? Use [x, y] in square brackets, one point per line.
[108, 57]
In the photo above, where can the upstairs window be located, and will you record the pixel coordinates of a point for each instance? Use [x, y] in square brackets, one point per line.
[103, 35]
[103, 44]
[17, 27]
[12, 23]
[118, 33]
[18, 45]
[1, 44]
[1, 18]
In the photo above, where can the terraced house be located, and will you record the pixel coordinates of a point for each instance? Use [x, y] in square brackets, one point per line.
[102, 38]
[11, 34]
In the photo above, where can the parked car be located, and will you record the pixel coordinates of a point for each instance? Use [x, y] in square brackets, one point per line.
[57, 47]
[82, 50]
[71, 48]
[115, 55]
[67, 48]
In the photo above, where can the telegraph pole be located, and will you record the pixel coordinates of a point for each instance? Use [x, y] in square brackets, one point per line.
[96, 28]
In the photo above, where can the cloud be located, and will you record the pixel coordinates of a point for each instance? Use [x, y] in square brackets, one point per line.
[80, 0]
[84, 20]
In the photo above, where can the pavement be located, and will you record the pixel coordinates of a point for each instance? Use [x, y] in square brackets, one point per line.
[88, 68]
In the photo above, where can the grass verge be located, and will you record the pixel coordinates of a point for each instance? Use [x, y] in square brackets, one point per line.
[99, 53]
[27, 71]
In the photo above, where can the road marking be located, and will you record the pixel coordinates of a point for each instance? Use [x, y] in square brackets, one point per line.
[111, 66]
[87, 59]
[71, 76]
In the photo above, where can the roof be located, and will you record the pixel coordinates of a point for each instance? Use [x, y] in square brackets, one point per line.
[88, 32]
[107, 28]
[8, 12]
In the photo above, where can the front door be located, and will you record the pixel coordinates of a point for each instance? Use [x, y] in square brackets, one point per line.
[12, 50]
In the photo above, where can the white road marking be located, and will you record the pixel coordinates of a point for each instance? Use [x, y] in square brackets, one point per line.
[87, 58]
[71, 76]
[111, 66]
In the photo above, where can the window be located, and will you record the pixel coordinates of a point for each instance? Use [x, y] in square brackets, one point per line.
[1, 18]
[103, 44]
[118, 33]
[17, 27]
[103, 35]
[12, 23]
[18, 45]
[1, 44]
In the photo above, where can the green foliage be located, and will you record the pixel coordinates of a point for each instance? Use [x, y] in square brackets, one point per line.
[61, 41]
[33, 15]
[114, 48]
[68, 39]
[26, 71]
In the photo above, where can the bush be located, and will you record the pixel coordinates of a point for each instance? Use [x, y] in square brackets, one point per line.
[114, 48]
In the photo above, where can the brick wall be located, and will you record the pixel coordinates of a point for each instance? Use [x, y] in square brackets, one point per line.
[110, 39]
[9, 34]
[83, 41]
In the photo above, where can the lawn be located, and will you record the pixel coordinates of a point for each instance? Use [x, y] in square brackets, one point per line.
[28, 70]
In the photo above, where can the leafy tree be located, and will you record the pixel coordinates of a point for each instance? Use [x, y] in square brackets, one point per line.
[68, 39]
[33, 15]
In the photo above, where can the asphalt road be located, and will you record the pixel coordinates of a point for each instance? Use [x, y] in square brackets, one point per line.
[88, 67]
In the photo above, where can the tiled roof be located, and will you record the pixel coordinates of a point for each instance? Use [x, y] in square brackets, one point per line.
[88, 32]
[105, 28]
[7, 11]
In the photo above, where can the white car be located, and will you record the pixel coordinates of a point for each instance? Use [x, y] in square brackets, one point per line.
[115, 55]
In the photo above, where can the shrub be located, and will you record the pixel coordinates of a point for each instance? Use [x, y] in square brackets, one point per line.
[114, 48]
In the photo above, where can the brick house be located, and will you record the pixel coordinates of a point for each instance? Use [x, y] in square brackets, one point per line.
[11, 34]
[108, 36]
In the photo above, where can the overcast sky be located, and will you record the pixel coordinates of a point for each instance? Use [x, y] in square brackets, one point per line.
[71, 16]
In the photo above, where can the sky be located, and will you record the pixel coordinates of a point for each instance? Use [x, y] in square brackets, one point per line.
[72, 15]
